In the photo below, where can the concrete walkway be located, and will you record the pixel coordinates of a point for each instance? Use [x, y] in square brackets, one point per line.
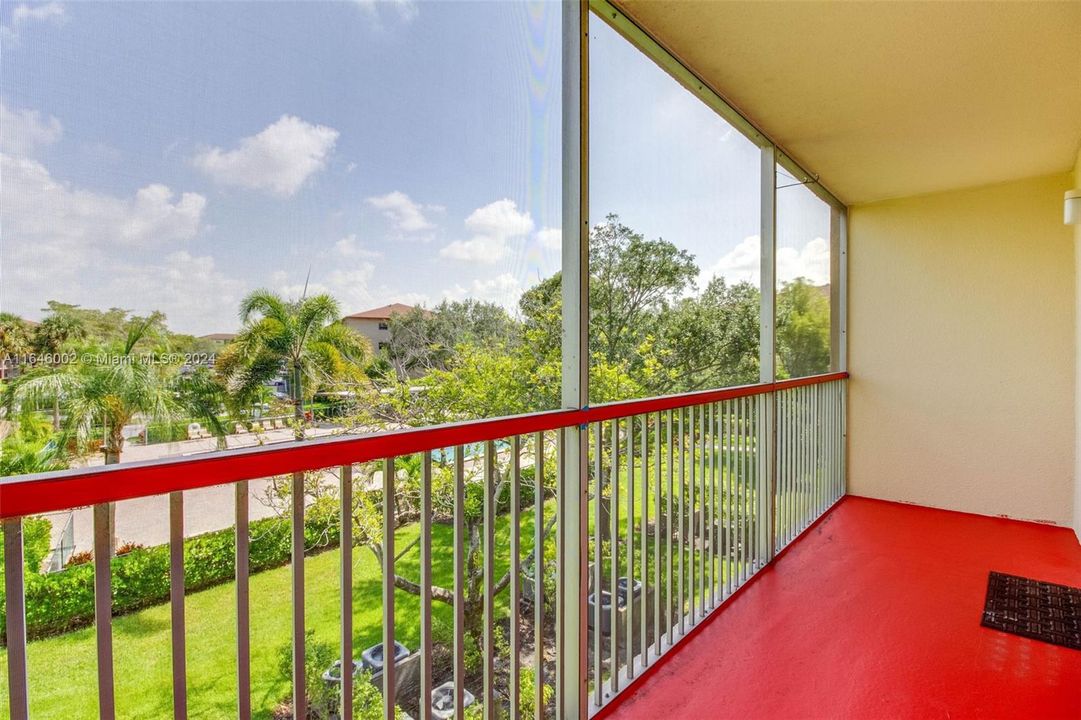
[146, 520]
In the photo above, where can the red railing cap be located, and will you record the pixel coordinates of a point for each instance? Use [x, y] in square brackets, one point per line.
[51, 492]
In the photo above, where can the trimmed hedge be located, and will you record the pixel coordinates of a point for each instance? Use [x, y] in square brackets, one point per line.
[63, 601]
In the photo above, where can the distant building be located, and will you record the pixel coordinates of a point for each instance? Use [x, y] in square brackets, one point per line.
[219, 338]
[374, 324]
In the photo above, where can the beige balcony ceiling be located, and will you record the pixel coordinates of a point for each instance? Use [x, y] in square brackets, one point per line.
[892, 99]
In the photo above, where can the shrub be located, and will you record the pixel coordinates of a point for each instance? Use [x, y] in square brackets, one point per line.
[62, 601]
[318, 656]
[37, 532]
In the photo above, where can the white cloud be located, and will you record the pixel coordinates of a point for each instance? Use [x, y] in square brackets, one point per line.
[406, 10]
[348, 247]
[37, 209]
[350, 287]
[741, 264]
[65, 242]
[278, 160]
[503, 289]
[492, 226]
[37, 11]
[21, 131]
[26, 13]
[194, 295]
[400, 209]
[550, 238]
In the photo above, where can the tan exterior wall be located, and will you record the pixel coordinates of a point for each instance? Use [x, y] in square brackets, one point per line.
[370, 329]
[1077, 359]
[962, 350]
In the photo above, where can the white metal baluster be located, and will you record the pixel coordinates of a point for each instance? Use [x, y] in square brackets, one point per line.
[737, 490]
[243, 612]
[613, 522]
[838, 471]
[643, 464]
[745, 441]
[561, 508]
[797, 461]
[711, 504]
[629, 612]
[538, 576]
[426, 679]
[726, 498]
[389, 653]
[515, 573]
[791, 453]
[692, 529]
[752, 480]
[668, 528]
[814, 392]
[103, 609]
[701, 512]
[176, 604]
[489, 580]
[300, 698]
[658, 522]
[681, 573]
[345, 557]
[15, 617]
[786, 444]
[808, 475]
[598, 558]
[460, 543]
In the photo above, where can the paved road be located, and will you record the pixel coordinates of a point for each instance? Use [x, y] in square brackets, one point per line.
[146, 520]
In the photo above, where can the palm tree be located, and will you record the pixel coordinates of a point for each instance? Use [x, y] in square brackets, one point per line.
[305, 337]
[203, 395]
[49, 339]
[111, 387]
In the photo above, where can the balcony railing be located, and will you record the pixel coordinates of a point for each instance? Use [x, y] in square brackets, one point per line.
[686, 498]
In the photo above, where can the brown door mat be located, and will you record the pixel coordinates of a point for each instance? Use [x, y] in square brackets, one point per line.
[1034, 609]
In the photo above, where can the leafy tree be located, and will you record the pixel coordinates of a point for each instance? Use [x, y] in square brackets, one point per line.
[15, 337]
[634, 283]
[632, 279]
[368, 530]
[707, 341]
[423, 340]
[102, 326]
[803, 329]
[304, 337]
[22, 456]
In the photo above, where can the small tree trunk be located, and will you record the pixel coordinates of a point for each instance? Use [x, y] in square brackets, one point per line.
[298, 403]
[114, 442]
[56, 414]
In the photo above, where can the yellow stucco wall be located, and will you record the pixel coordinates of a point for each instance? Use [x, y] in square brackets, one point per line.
[1077, 359]
[961, 349]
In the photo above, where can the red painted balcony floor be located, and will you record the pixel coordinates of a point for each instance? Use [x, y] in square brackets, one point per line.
[875, 613]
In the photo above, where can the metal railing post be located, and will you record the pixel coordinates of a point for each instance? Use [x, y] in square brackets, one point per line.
[15, 617]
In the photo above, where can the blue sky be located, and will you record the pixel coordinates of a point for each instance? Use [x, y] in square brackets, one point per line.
[176, 155]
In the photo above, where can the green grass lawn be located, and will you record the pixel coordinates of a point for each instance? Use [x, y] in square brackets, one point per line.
[62, 669]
